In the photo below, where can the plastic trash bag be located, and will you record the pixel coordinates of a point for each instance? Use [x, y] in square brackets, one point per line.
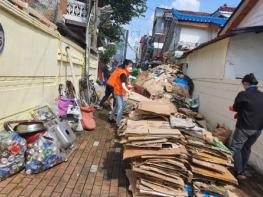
[43, 154]
[12, 154]
[180, 121]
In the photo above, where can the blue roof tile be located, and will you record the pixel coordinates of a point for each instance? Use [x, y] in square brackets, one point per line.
[200, 19]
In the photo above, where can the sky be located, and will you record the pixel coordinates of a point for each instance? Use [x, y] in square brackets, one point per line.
[143, 25]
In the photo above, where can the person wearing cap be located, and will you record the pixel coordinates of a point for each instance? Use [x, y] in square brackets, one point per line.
[119, 81]
[249, 107]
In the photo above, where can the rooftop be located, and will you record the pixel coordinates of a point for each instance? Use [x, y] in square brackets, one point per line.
[194, 13]
[226, 8]
[198, 17]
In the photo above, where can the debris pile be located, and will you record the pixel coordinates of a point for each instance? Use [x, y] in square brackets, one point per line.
[158, 158]
[169, 151]
[158, 82]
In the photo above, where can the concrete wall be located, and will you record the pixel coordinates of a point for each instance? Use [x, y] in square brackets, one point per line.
[32, 64]
[208, 62]
[254, 17]
[245, 56]
[207, 68]
[195, 35]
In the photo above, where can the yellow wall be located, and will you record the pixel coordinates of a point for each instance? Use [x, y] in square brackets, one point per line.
[30, 66]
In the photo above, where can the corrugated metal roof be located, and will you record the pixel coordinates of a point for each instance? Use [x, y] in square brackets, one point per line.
[199, 19]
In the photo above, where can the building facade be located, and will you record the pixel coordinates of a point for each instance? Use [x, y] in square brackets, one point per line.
[189, 30]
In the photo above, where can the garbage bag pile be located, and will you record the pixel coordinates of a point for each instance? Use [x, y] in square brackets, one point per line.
[43, 154]
[12, 151]
[34, 145]
[169, 151]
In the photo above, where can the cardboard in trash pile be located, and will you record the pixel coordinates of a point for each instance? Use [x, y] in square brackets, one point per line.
[158, 174]
[172, 167]
[178, 90]
[155, 107]
[149, 187]
[210, 158]
[226, 177]
[150, 127]
[137, 152]
[211, 188]
[222, 133]
[137, 97]
[211, 166]
[163, 159]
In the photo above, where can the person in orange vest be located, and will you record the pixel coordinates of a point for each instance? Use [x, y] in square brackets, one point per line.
[119, 81]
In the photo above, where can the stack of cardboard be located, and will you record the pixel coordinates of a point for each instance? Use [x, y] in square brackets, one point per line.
[158, 158]
[163, 160]
[166, 157]
[151, 109]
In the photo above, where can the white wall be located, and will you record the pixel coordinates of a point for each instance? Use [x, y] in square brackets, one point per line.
[195, 35]
[207, 67]
[245, 56]
[208, 62]
[215, 98]
[254, 17]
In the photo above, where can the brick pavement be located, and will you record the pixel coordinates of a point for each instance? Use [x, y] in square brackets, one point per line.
[94, 169]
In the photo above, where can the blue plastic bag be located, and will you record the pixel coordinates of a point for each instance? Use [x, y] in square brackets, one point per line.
[43, 154]
[12, 154]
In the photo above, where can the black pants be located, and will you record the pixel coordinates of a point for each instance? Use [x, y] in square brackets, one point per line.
[108, 91]
[241, 145]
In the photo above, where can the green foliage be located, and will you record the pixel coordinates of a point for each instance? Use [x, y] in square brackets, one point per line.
[112, 32]
[108, 53]
[123, 12]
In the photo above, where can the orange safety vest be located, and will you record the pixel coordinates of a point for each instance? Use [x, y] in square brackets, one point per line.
[115, 81]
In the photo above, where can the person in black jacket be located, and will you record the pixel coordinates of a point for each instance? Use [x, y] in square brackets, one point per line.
[249, 107]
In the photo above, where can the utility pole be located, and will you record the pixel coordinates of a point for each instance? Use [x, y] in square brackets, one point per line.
[90, 7]
[126, 43]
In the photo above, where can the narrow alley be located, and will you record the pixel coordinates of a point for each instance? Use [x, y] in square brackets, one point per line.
[131, 98]
[94, 169]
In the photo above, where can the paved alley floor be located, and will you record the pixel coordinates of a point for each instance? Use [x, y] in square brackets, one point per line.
[94, 169]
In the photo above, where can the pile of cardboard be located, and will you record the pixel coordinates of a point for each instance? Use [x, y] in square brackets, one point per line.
[157, 156]
[171, 154]
[158, 81]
